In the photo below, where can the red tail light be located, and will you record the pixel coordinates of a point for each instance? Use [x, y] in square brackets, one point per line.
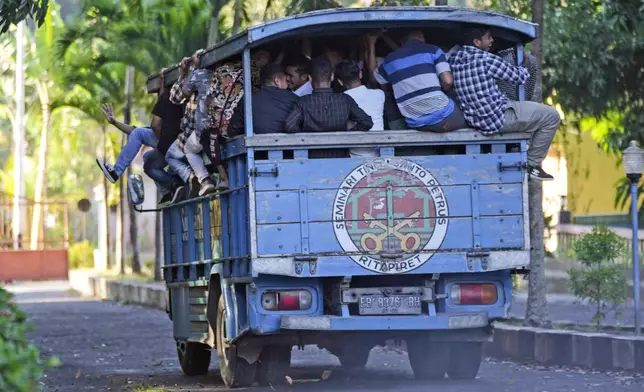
[474, 294]
[287, 300]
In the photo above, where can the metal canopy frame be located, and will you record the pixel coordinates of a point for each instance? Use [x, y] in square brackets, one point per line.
[512, 29]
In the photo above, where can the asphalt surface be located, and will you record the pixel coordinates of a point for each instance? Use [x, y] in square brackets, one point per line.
[109, 347]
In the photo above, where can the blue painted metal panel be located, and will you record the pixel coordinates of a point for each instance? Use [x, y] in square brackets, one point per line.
[440, 262]
[167, 243]
[277, 206]
[446, 169]
[284, 239]
[176, 221]
[191, 211]
[502, 199]
[242, 214]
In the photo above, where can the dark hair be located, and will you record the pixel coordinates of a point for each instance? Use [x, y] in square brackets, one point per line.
[472, 33]
[347, 71]
[270, 72]
[321, 69]
[301, 63]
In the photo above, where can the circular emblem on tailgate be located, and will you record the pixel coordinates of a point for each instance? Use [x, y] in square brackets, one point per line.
[387, 208]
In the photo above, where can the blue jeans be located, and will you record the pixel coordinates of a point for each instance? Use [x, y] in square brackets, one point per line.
[154, 164]
[139, 137]
[177, 161]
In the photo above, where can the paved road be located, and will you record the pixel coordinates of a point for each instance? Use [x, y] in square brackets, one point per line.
[109, 347]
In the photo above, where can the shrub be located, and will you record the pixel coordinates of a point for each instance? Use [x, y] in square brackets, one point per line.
[20, 365]
[602, 279]
[81, 255]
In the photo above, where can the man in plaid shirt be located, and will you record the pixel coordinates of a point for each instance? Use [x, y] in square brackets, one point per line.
[486, 108]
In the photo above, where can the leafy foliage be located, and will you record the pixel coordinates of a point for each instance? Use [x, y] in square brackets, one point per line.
[15, 11]
[602, 280]
[20, 364]
[81, 255]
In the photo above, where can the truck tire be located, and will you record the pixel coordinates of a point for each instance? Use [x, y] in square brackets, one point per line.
[354, 357]
[428, 360]
[465, 360]
[273, 365]
[235, 371]
[194, 358]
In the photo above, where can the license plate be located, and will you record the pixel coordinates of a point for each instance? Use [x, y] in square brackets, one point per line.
[391, 304]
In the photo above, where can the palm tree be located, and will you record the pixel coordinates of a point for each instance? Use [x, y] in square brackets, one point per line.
[13, 12]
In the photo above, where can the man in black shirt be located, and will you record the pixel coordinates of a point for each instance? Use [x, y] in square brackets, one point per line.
[271, 105]
[324, 110]
[170, 185]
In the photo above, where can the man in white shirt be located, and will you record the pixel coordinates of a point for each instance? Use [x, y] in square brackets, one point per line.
[371, 101]
[298, 76]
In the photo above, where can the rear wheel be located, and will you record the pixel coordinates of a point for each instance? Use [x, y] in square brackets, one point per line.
[465, 360]
[429, 360]
[235, 371]
[194, 358]
[273, 365]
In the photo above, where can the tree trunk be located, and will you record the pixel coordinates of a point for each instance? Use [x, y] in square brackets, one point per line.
[441, 2]
[537, 17]
[239, 8]
[119, 254]
[41, 176]
[158, 260]
[537, 306]
[134, 229]
[106, 195]
[213, 30]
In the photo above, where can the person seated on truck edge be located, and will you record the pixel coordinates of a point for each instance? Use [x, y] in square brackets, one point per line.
[154, 162]
[490, 111]
[510, 89]
[271, 105]
[199, 83]
[324, 110]
[225, 94]
[298, 74]
[169, 186]
[421, 77]
[175, 155]
[371, 101]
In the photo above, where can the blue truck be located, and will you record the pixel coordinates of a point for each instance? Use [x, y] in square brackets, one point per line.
[418, 244]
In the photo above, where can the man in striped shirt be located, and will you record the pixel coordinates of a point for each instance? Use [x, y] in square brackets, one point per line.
[420, 77]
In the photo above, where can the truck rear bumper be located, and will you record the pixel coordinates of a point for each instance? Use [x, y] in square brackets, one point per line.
[384, 323]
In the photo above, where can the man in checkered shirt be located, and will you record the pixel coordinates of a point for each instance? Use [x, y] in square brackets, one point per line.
[486, 108]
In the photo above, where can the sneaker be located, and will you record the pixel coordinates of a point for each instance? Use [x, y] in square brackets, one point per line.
[207, 187]
[537, 173]
[221, 185]
[165, 200]
[179, 194]
[193, 186]
[108, 170]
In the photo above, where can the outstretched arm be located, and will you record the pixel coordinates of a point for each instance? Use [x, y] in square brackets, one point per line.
[108, 110]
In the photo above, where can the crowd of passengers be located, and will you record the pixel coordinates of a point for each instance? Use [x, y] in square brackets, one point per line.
[414, 86]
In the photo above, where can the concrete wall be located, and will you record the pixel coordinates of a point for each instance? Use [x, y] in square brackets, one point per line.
[48, 264]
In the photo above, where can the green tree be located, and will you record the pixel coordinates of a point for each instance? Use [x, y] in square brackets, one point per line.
[602, 280]
[15, 11]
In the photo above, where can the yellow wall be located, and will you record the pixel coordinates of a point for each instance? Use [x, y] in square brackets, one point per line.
[592, 174]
